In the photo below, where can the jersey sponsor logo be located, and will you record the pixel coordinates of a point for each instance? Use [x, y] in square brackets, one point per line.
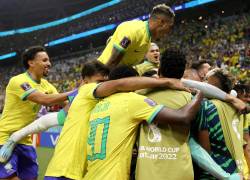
[125, 42]
[25, 86]
[150, 102]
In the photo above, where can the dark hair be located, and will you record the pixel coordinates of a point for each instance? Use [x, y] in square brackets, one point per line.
[149, 73]
[122, 71]
[226, 79]
[172, 64]
[198, 65]
[91, 68]
[242, 88]
[162, 9]
[30, 53]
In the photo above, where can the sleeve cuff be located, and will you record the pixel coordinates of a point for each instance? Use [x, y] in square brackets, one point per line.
[158, 109]
[94, 92]
[27, 93]
[119, 48]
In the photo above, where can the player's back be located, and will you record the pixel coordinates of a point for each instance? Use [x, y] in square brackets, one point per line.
[70, 153]
[112, 132]
[131, 37]
[165, 147]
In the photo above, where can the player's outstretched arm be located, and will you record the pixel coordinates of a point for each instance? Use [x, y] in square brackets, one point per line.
[47, 99]
[204, 161]
[135, 83]
[211, 91]
[182, 116]
[41, 124]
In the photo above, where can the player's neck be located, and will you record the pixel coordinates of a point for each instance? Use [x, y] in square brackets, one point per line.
[35, 77]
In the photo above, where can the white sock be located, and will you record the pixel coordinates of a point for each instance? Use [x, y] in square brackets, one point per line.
[209, 90]
[41, 124]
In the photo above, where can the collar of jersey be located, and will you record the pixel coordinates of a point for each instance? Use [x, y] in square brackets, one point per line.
[28, 74]
[147, 29]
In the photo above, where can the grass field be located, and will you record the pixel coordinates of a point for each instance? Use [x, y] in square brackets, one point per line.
[44, 156]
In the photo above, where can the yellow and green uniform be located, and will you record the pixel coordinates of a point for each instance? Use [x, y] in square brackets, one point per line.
[163, 150]
[131, 38]
[145, 66]
[18, 111]
[69, 159]
[113, 127]
[209, 118]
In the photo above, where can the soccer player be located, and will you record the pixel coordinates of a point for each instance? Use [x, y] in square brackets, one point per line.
[220, 128]
[202, 68]
[69, 159]
[43, 123]
[113, 127]
[166, 146]
[25, 93]
[151, 62]
[169, 143]
[132, 39]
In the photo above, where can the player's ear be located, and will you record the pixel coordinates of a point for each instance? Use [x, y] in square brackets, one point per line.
[30, 63]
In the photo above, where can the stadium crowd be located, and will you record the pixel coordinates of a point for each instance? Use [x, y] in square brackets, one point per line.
[170, 124]
[125, 10]
[222, 41]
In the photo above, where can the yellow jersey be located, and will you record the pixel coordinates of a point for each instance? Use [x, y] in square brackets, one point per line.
[146, 66]
[165, 146]
[113, 127]
[69, 159]
[133, 39]
[18, 111]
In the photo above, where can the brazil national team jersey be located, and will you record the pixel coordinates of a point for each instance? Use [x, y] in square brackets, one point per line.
[208, 119]
[145, 66]
[70, 152]
[132, 38]
[163, 150]
[112, 131]
[18, 111]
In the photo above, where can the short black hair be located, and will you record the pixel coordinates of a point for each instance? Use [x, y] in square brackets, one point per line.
[172, 64]
[198, 65]
[93, 67]
[149, 73]
[162, 9]
[122, 71]
[225, 77]
[30, 53]
[242, 88]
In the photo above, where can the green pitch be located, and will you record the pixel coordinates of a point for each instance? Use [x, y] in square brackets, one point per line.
[44, 156]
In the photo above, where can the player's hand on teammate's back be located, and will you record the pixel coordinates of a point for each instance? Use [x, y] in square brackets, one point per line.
[177, 85]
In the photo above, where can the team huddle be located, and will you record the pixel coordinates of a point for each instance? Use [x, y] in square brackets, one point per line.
[137, 114]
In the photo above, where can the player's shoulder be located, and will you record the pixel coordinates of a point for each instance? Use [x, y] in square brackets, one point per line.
[45, 81]
[18, 78]
[135, 96]
[133, 25]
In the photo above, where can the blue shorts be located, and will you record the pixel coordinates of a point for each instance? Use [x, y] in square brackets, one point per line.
[55, 178]
[23, 163]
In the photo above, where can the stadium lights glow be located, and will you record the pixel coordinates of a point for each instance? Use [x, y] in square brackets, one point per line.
[112, 26]
[108, 27]
[81, 35]
[9, 55]
[60, 21]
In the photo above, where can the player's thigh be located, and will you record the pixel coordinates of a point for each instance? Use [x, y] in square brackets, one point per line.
[27, 162]
[9, 169]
